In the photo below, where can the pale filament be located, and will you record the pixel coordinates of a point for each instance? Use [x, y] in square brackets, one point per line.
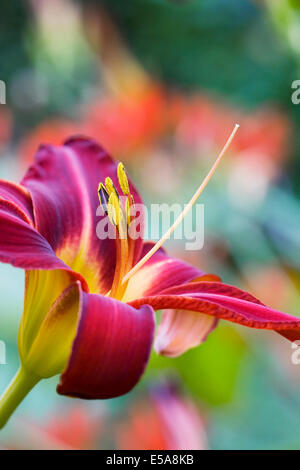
[187, 208]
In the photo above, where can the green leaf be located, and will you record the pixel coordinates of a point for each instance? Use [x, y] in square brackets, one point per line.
[209, 371]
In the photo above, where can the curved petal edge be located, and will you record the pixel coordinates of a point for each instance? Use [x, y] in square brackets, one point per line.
[111, 348]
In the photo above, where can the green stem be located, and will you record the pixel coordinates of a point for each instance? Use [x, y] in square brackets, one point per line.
[17, 390]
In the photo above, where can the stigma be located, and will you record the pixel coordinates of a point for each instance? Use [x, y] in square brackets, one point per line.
[119, 213]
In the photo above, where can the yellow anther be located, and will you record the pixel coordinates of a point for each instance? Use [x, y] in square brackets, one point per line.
[101, 186]
[103, 196]
[113, 209]
[123, 180]
[110, 187]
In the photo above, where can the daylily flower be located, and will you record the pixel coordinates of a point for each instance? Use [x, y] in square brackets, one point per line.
[81, 319]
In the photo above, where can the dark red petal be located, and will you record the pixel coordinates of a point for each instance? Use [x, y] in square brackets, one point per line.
[227, 302]
[162, 272]
[213, 288]
[22, 246]
[18, 198]
[63, 184]
[110, 350]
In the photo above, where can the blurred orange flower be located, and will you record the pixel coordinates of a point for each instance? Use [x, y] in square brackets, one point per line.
[6, 125]
[76, 429]
[164, 421]
[53, 131]
[125, 126]
[73, 429]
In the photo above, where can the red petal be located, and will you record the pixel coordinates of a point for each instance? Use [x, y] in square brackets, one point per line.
[18, 198]
[20, 243]
[111, 348]
[22, 246]
[63, 184]
[227, 302]
[162, 272]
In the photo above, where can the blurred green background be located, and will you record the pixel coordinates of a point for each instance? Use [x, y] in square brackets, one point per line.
[161, 84]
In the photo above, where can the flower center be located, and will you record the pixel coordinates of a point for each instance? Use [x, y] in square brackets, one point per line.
[119, 213]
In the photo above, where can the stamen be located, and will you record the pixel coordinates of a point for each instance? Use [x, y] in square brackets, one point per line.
[117, 289]
[123, 180]
[113, 209]
[128, 211]
[110, 187]
[187, 208]
[119, 216]
[103, 197]
[122, 253]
